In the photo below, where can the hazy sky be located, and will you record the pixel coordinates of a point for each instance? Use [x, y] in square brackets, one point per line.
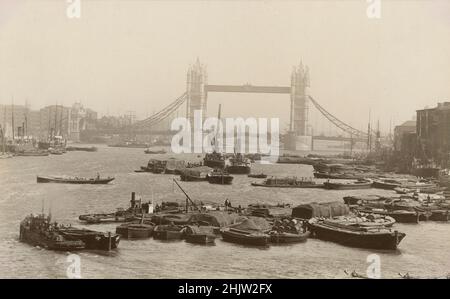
[133, 55]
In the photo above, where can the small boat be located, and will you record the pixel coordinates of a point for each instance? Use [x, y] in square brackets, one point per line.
[200, 234]
[439, 215]
[83, 149]
[359, 184]
[388, 184]
[337, 176]
[214, 160]
[245, 237]
[195, 174]
[137, 207]
[285, 237]
[92, 239]
[135, 230]
[55, 151]
[400, 216]
[130, 144]
[246, 233]
[257, 176]
[354, 200]
[73, 180]
[238, 165]
[288, 182]
[354, 235]
[39, 231]
[218, 176]
[426, 190]
[168, 232]
[32, 153]
[148, 151]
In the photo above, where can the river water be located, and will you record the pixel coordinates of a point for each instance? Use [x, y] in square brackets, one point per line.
[424, 252]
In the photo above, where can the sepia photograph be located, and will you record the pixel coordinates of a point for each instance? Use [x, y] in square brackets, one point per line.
[225, 140]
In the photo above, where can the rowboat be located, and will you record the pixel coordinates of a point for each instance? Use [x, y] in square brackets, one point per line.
[355, 236]
[284, 237]
[360, 184]
[73, 180]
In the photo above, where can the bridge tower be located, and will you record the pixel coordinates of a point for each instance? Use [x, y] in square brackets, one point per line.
[298, 138]
[195, 90]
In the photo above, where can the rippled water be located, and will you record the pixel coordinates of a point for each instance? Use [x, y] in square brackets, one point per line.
[424, 252]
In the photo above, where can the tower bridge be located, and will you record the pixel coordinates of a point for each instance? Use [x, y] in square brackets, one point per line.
[196, 98]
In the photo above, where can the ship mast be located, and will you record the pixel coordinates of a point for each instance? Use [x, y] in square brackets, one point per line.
[12, 120]
[217, 126]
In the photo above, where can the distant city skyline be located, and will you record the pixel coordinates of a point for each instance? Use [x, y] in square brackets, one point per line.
[124, 56]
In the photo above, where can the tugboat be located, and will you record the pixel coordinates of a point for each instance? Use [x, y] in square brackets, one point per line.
[38, 231]
[238, 165]
[137, 207]
[219, 176]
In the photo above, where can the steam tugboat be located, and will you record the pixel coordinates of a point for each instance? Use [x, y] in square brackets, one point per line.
[38, 231]
[238, 165]
[219, 176]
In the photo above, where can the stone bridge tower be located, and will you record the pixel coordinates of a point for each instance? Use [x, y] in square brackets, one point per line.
[195, 89]
[297, 137]
[299, 100]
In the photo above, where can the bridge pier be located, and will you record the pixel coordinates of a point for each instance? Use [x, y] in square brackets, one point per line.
[298, 138]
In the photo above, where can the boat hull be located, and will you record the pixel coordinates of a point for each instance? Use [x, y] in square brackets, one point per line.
[190, 178]
[285, 238]
[400, 217]
[223, 180]
[74, 181]
[92, 239]
[200, 239]
[214, 164]
[381, 240]
[338, 186]
[36, 239]
[167, 234]
[245, 239]
[289, 186]
[238, 169]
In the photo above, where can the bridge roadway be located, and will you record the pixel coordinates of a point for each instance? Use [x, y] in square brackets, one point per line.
[248, 88]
